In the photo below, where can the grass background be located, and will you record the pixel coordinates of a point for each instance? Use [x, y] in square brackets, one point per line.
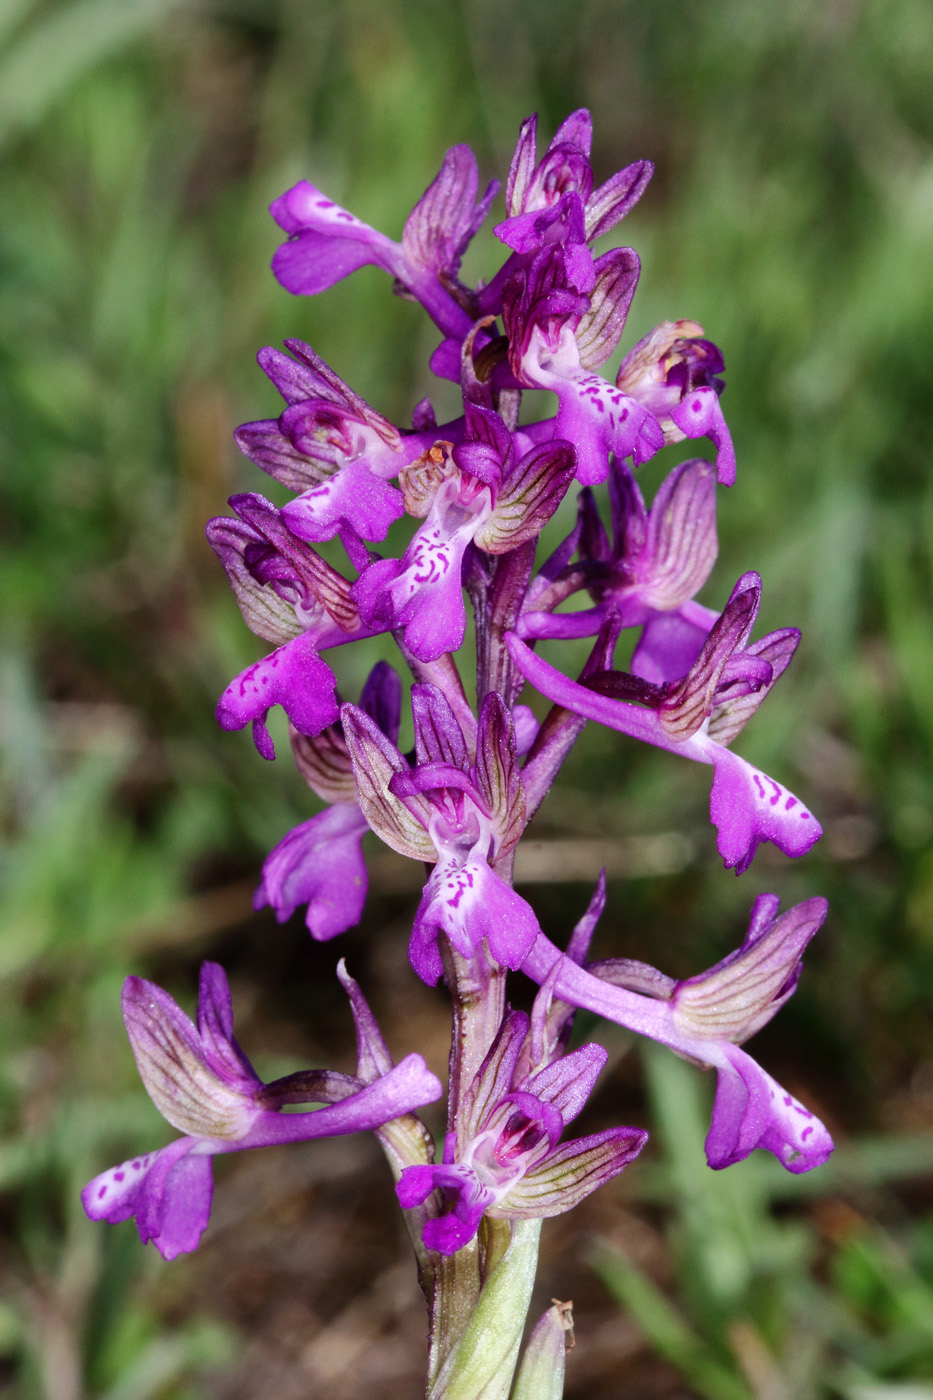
[792, 211]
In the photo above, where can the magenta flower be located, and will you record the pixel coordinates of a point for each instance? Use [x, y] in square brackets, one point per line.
[288, 595]
[203, 1084]
[330, 446]
[648, 575]
[563, 314]
[697, 715]
[320, 862]
[565, 169]
[327, 243]
[706, 1018]
[463, 818]
[478, 492]
[675, 373]
[504, 1159]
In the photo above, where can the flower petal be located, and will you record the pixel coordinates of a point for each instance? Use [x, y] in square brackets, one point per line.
[319, 863]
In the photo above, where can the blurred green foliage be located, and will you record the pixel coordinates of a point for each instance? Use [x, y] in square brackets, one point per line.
[791, 213]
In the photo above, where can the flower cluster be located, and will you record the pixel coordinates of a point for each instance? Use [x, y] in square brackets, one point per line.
[478, 491]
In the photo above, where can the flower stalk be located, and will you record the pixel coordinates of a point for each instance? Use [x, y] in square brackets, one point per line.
[477, 491]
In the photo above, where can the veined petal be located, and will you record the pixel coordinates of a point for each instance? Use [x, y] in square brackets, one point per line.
[681, 545]
[601, 327]
[570, 1173]
[200, 1099]
[375, 762]
[739, 995]
[613, 200]
[497, 774]
[447, 216]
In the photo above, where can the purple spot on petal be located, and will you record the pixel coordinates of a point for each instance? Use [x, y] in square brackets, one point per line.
[118, 1176]
[788, 1100]
[135, 1166]
[791, 802]
[102, 1193]
[805, 1133]
[804, 816]
[696, 405]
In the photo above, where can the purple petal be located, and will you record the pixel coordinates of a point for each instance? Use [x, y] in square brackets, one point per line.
[701, 416]
[319, 863]
[670, 644]
[215, 1027]
[381, 699]
[409, 1086]
[205, 1099]
[452, 1231]
[294, 677]
[169, 1192]
[353, 496]
[373, 1058]
[469, 903]
[752, 1110]
[613, 200]
[438, 736]
[328, 242]
[747, 807]
[568, 1082]
[422, 592]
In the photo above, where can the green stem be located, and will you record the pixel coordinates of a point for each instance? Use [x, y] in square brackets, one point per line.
[477, 988]
[482, 1364]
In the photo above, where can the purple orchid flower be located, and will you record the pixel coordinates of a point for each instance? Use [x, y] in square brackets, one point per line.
[462, 818]
[327, 243]
[563, 317]
[675, 373]
[553, 201]
[329, 445]
[203, 1084]
[650, 572]
[706, 1018]
[565, 168]
[320, 862]
[697, 716]
[288, 595]
[504, 1158]
[479, 493]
